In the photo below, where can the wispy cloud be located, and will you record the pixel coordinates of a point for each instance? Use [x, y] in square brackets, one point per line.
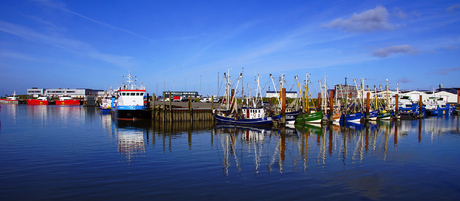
[453, 8]
[368, 21]
[444, 71]
[15, 55]
[384, 52]
[62, 7]
[71, 45]
[399, 13]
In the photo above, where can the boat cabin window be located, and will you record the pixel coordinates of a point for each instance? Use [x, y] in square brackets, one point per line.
[137, 94]
[142, 94]
[133, 94]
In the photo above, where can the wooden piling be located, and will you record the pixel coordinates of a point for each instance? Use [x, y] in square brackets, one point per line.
[170, 108]
[164, 107]
[420, 104]
[190, 109]
[397, 106]
[367, 106]
[283, 106]
[153, 106]
[331, 106]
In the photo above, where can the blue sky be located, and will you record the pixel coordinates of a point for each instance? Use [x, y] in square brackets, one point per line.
[187, 45]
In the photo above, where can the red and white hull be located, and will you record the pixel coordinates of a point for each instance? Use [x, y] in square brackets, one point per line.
[6, 101]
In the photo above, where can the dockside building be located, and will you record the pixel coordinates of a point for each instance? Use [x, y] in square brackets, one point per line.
[74, 93]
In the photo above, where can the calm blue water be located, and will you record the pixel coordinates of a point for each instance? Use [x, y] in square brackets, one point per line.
[75, 153]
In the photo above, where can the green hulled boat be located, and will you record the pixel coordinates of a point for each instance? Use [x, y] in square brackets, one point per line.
[314, 117]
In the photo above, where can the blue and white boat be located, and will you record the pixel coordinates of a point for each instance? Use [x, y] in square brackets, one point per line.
[353, 117]
[248, 116]
[438, 107]
[129, 103]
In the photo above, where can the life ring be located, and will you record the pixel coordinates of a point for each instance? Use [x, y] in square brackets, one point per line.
[254, 115]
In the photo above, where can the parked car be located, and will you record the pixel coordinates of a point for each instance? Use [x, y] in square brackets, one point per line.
[204, 100]
[215, 100]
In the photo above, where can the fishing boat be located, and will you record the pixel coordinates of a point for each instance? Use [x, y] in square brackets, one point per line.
[352, 117]
[106, 103]
[254, 116]
[67, 100]
[129, 104]
[308, 116]
[291, 110]
[437, 107]
[250, 115]
[10, 99]
[42, 100]
[313, 117]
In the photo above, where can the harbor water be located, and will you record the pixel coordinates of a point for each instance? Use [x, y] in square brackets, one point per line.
[77, 153]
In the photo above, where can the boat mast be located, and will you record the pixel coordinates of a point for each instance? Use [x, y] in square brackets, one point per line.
[130, 86]
[388, 97]
[258, 91]
[307, 108]
[233, 98]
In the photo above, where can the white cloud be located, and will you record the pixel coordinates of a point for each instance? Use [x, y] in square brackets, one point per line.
[367, 21]
[384, 52]
[444, 71]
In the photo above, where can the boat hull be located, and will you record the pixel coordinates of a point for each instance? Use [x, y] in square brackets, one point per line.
[37, 102]
[4, 101]
[355, 117]
[68, 102]
[373, 115]
[314, 117]
[384, 116]
[256, 121]
[131, 112]
[290, 117]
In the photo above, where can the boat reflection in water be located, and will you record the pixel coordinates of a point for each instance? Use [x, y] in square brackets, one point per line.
[130, 135]
[234, 137]
[254, 146]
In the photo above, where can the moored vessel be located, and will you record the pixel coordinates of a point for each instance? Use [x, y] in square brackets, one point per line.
[10, 99]
[42, 100]
[129, 103]
[67, 100]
